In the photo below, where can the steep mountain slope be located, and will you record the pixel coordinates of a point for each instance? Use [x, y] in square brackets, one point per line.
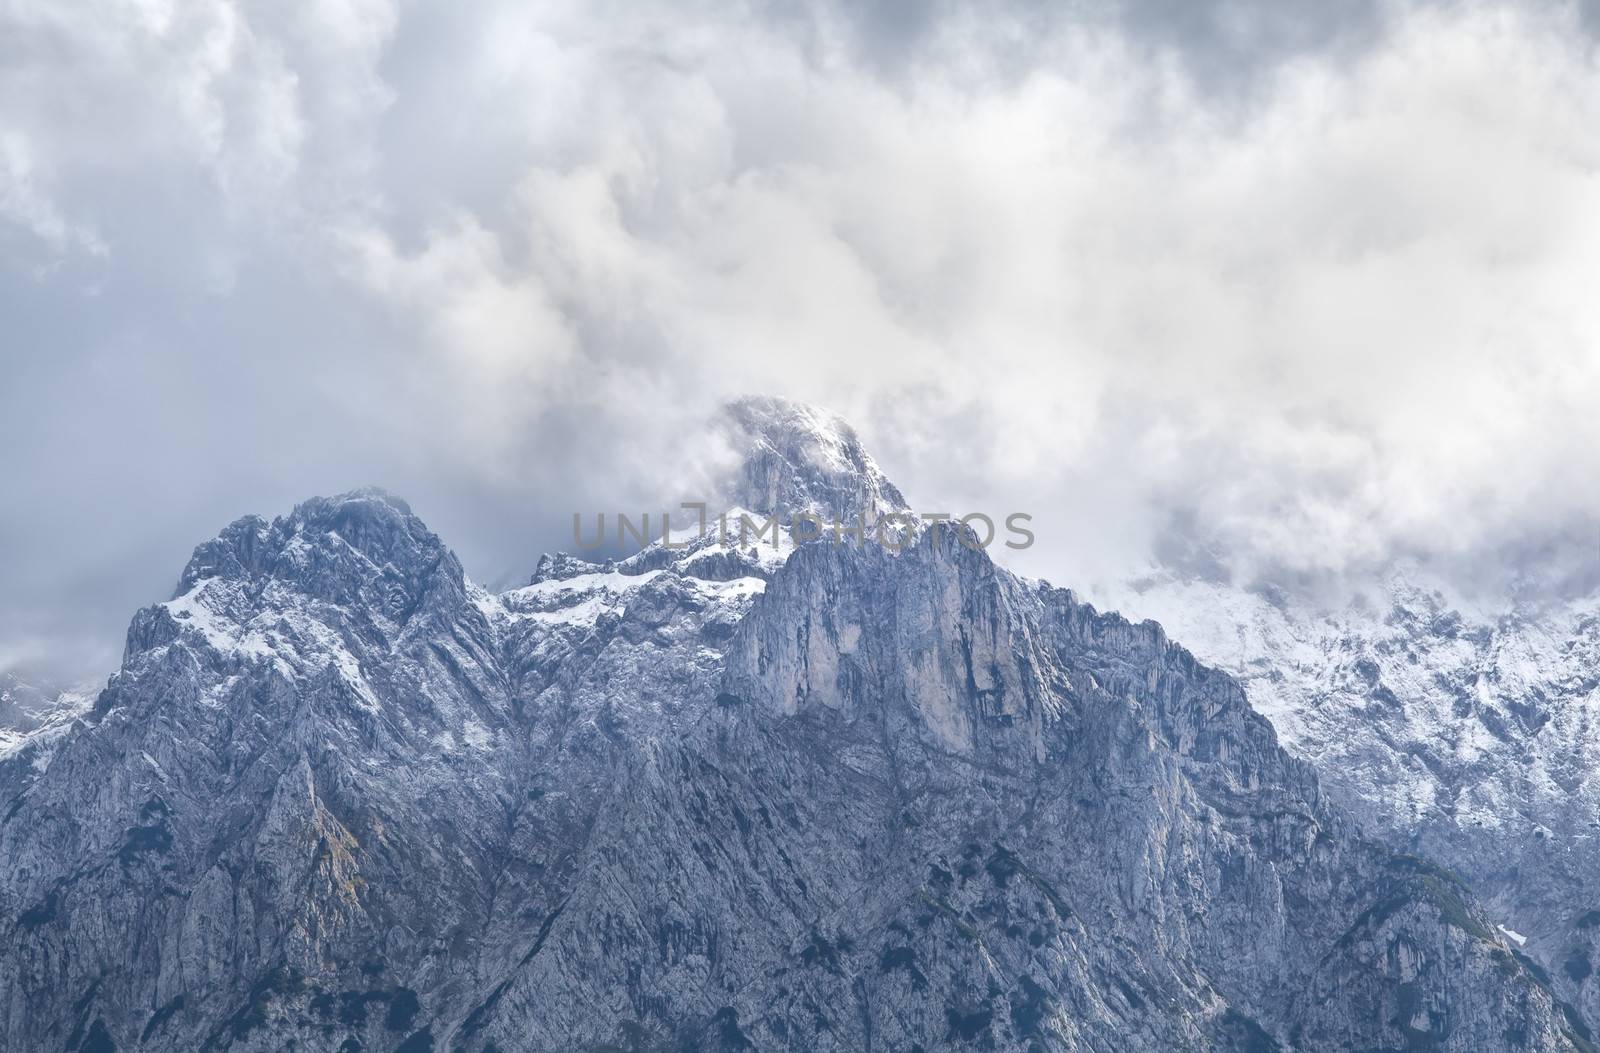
[338, 797]
[1471, 736]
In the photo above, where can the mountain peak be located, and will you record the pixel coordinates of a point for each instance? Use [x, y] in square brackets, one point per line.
[800, 458]
[361, 496]
[367, 524]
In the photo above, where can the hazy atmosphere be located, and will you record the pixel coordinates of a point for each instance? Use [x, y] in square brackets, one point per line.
[1280, 299]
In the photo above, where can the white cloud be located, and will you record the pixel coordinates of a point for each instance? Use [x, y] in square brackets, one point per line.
[1335, 312]
[25, 205]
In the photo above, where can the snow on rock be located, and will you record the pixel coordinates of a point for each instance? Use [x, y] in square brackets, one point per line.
[1465, 732]
[1513, 935]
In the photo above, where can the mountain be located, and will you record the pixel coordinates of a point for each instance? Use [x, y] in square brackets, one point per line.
[823, 797]
[1467, 733]
[33, 707]
[790, 457]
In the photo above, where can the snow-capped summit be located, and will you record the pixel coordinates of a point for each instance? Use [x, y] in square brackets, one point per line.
[796, 458]
[366, 527]
[781, 459]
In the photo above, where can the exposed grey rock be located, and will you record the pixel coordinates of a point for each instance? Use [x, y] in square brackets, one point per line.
[338, 797]
[1466, 734]
[797, 458]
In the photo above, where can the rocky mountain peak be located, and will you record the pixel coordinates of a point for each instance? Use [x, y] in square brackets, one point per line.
[364, 531]
[781, 458]
[375, 524]
[357, 562]
[798, 458]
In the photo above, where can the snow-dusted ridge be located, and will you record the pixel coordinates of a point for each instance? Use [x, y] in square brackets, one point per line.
[33, 715]
[1467, 732]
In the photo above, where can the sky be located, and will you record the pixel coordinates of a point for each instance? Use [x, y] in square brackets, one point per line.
[1269, 293]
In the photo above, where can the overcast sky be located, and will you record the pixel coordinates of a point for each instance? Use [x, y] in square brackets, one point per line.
[1271, 292]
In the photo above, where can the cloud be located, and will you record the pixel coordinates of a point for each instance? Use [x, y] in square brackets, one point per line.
[1256, 295]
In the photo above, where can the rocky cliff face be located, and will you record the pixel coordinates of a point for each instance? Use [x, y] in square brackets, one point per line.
[338, 797]
[1471, 736]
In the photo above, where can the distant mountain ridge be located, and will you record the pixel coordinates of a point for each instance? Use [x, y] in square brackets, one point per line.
[340, 797]
[32, 706]
[1469, 735]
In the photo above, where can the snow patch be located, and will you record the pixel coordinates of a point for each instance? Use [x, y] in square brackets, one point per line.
[477, 735]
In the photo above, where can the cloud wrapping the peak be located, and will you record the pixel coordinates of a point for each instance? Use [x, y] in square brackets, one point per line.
[1190, 283]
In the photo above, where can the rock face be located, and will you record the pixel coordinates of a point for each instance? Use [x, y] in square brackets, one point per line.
[340, 798]
[1469, 736]
[795, 458]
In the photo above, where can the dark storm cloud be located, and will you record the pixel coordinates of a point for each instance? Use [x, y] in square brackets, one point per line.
[1264, 291]
[1224, 46]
